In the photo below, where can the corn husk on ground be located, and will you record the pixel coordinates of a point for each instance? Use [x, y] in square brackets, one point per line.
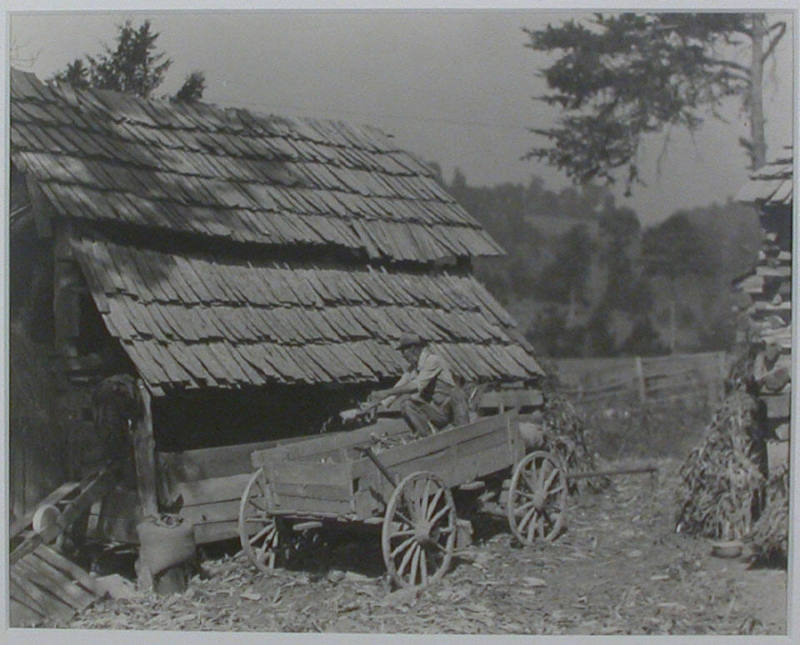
[769, 540]
[720, 493]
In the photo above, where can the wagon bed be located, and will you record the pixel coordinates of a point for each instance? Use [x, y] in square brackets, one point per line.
[316, 478]
[382, 476]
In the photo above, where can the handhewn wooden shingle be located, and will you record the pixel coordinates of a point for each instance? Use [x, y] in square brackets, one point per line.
[189, 318]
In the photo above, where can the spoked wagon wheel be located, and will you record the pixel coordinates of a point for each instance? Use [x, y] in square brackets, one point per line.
[258, 530]
[537, 498]
[419, 530]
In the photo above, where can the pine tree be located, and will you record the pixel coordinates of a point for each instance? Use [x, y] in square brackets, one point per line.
[623, 76]
[192, 88]
[133, 65]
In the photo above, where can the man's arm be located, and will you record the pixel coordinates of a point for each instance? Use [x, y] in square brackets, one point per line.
[403, 388]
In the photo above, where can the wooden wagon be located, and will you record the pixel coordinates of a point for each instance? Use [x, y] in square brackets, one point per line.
[410, 492]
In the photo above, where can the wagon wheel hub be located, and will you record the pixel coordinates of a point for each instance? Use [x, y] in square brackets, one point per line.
[539, 499]
[422, 532]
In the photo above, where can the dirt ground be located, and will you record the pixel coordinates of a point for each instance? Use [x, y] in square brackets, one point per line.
[619, 569]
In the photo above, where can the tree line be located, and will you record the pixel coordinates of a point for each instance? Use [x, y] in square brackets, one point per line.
[583, 277]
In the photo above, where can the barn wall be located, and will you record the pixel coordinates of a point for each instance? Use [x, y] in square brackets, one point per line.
[51, 437]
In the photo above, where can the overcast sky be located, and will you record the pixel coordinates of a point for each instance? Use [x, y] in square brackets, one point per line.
[453, 87]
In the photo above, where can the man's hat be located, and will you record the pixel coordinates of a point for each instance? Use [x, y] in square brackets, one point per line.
[409, 339]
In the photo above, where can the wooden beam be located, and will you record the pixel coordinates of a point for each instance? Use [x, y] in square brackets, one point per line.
[58, 495]
[67, 285]
[42, 210]
[144, 455]
[92, 489]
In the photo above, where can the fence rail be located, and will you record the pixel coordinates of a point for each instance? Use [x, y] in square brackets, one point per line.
[648, 379]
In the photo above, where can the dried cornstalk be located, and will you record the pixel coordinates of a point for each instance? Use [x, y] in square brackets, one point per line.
[770, 537]
[565, 435]
[721, 490]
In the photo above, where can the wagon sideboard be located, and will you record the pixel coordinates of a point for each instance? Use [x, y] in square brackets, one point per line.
[330, 477]
[210, 481]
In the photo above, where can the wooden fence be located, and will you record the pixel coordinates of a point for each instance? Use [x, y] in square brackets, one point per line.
[696, 377]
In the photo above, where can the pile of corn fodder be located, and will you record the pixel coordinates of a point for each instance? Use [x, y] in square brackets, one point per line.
[769, 540]
[720, 493]
[565, 435]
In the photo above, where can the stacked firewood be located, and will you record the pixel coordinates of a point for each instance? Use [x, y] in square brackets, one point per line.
[768, 336]
[767, 331]
[769, 283]
[721, 488]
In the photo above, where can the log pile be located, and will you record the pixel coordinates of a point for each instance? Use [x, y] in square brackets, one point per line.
[721, 488]
[767, 335]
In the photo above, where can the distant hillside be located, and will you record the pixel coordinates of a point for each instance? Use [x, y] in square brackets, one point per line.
[576, 280]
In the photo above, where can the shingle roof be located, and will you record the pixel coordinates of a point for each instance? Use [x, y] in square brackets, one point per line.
[162, 198]
[209, 320]
[234, 174]
[772, 184]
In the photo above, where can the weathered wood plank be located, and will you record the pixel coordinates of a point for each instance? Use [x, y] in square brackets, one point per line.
[55, 583]
[511, 399]
[58, 495]
[21, 615]
[19, 589]
[321, 492]
[300, 505]
[144, 454]
[209, 463]
[778, 405]
[213, 512]
[310, 472]
[324, 444]
[92, 487]
[455, 464]
[216, 489]
[53, 606]
[446, 440]
[67, 588]
[215, 531]
[58, 561]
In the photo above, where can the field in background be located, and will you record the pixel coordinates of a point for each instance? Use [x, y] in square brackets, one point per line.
[678, 377]
[645, 407]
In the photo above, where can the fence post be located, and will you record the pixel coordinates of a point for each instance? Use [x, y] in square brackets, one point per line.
[719, 378]
[637, 361]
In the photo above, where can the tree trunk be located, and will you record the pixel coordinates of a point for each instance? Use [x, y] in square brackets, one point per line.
[758, 150]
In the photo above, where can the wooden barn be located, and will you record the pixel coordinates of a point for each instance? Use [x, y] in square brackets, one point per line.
[253, 272]
[768, 311]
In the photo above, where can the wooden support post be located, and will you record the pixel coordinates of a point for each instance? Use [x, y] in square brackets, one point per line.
[145, 456]
[42, 211]
[640, 379]
[67, 283]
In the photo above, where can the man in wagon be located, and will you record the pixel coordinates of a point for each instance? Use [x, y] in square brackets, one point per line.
[427, 394]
